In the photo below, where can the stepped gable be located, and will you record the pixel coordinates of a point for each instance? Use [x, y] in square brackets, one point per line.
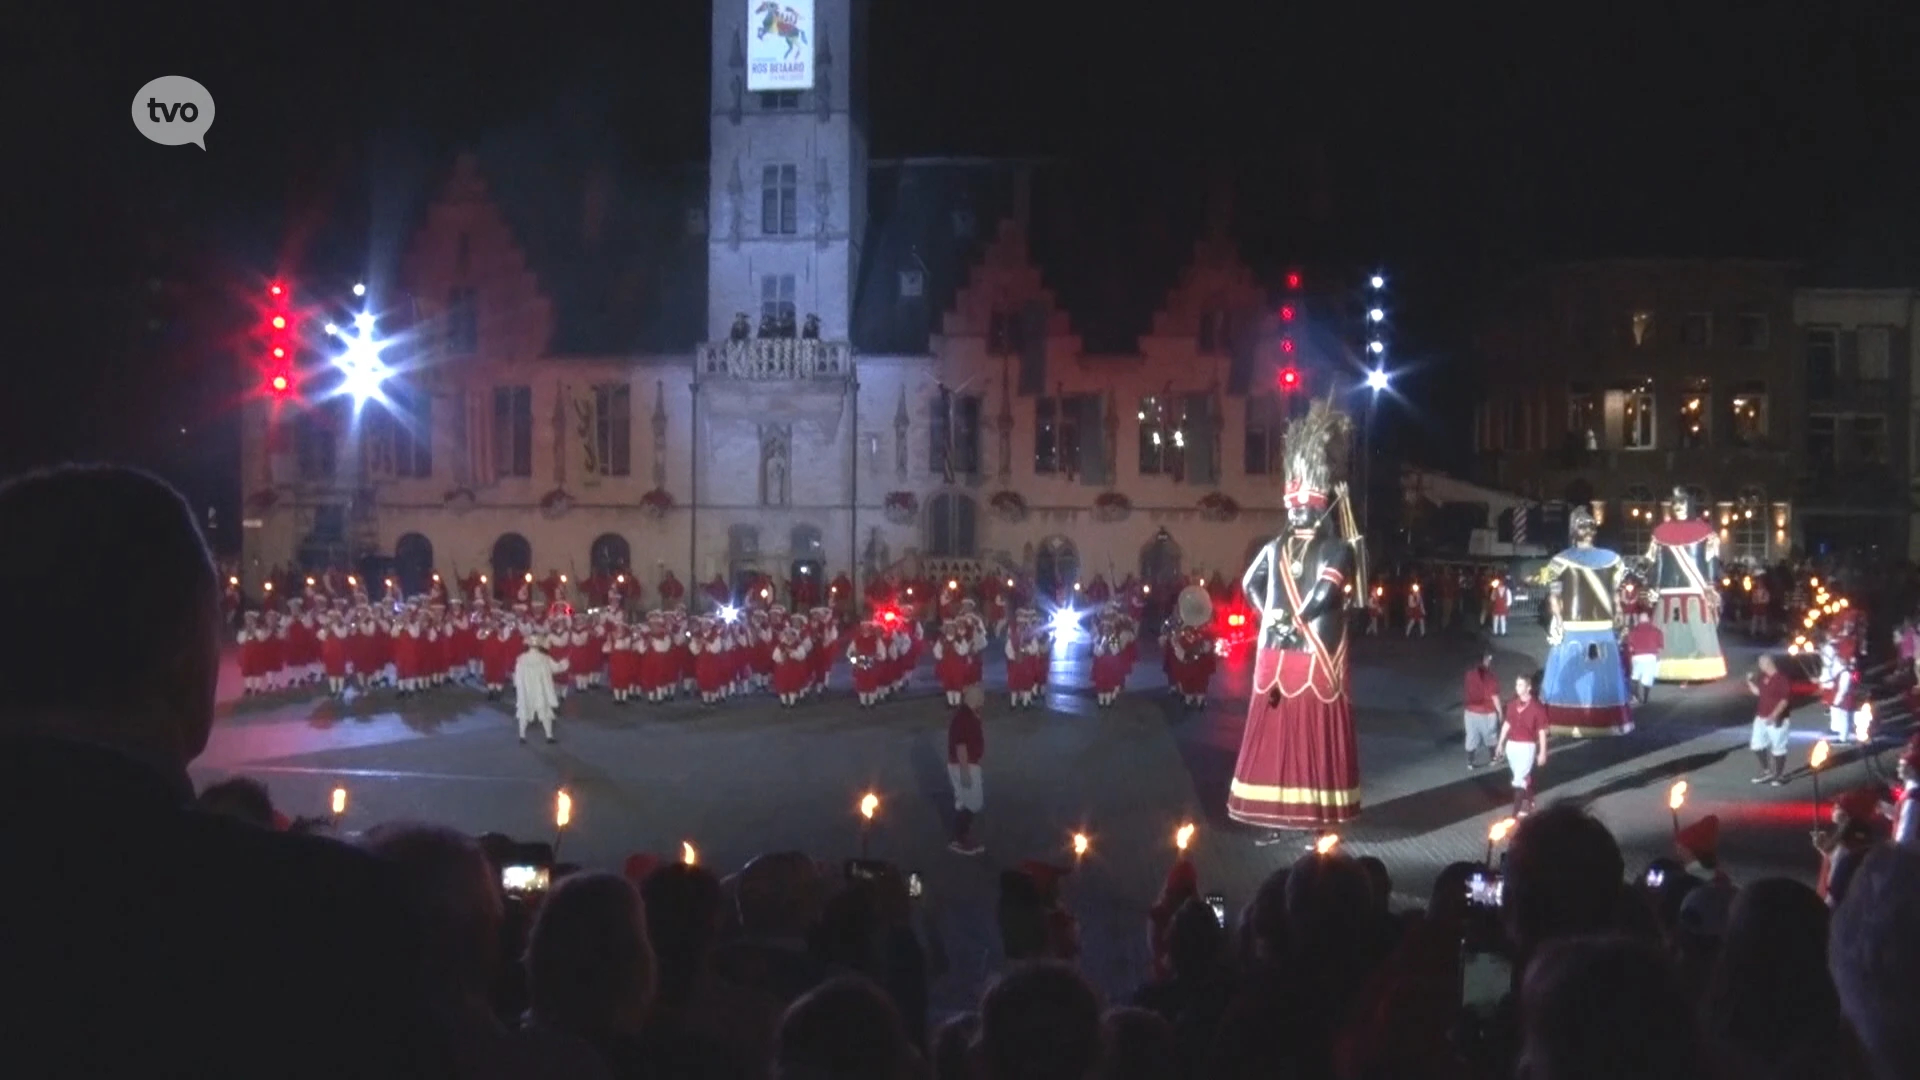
[610, 245]
[933, 216]
[1112, 241]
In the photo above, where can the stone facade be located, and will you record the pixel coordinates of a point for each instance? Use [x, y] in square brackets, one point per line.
[1613, 382]
[1004, 446]
[1859, 413]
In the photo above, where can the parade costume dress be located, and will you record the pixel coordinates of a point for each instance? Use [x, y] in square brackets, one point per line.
[1299, 763]
[1687, 604]
[1584, 686]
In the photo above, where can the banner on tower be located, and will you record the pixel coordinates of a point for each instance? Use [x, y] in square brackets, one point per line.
[779, 45]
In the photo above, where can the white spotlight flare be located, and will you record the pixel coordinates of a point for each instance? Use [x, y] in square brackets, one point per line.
[1376, 315]
[1376, 347]
[359, 289]
[1377, 281]
[1377, 380]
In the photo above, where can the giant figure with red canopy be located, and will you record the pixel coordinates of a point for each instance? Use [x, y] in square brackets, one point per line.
[1299, 764]
[1686, 603]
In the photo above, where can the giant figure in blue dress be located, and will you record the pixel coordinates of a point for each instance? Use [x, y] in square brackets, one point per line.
[1585, 684]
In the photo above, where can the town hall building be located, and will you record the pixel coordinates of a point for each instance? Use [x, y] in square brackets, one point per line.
[798, 361]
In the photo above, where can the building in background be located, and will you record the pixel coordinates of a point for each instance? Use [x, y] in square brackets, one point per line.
[800, 362]
[1612, 382]
[1857, 415]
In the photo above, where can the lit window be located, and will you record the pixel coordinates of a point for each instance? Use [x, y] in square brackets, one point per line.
[1640, 420]
[1749, 427]
[1694, 422]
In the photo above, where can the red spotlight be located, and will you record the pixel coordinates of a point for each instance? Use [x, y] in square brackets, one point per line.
[1289, 378]
[1286, 345]
[279, 322]
[280, 384]
[276, 289]
[1286, 313]
[1293, 281]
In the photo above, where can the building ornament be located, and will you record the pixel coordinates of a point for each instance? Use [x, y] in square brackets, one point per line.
[773, 359]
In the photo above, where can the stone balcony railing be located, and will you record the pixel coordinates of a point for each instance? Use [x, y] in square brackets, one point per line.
[776, 359]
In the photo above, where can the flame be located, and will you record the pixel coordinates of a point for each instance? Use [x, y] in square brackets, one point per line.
[529, 577]
[268, 586]
[1183, 836]
[688, 855]
[309, 581]
[620, 579]
[562, 809]
[231, 580]
[1747, 583]
[563, 579]
[483, 579]
[1079, 844]
[1501, 830]
[953, 583]
[869, 805]
[351, 580]
[1815, 582]
[1821, 751]
[436, 579]
[1326, 844]
[339, 801]
[1146, 588]
[1677, 795]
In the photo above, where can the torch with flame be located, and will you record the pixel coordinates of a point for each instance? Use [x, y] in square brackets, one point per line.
[688, 855]
[1080, 845]
[1326, 844]
[339, 802]
[562, 809]
[1497, 835]
[1815, 762]
[1676, 798]
[869, 806]
[1182, 837]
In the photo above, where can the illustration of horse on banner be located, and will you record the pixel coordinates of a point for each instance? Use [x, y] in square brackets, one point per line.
[783, 22]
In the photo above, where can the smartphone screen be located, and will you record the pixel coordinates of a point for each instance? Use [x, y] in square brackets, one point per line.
[525, 878]
[914, 885]
[1656, 878]
[1485, 890]
[1485, 980]
[1219, 905]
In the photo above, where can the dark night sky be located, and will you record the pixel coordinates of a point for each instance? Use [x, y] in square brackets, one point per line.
[1460, 149]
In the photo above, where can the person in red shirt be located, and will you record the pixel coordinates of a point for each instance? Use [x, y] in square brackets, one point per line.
[1771, 730]
[1523, 741]
[966, 745]
[1482, 702]
[1644, 643]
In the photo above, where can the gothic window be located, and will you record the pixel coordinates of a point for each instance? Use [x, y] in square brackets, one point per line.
[609, 555]
[397, 436]
[954, 434]
[1874, 356]
[1005, 331]
[512, 558]
[1266, 424]
[1056, 566]
[1056, 433]
[776, 297]
[1749, 529]
[513, 431]
[316, 441]
[1822, 361]
[1749, 415]
[463, 322]
[780, 200]
[1693, 423]
[1163, 443]
[950, 525]
[1639, 416]
[613, 429]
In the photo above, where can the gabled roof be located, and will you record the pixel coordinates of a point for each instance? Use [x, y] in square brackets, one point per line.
[629, 277]
[933, 217]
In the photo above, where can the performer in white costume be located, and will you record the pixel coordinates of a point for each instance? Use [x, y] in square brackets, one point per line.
[535, 698]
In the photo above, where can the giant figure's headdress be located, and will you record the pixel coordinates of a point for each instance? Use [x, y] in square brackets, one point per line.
[1311, 441]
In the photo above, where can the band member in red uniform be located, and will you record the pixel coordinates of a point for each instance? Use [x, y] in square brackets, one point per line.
[253, 655]
[1500, 601]
[791, 669]
[672, 593]
[1416, 610]
[1759, 607]
[1299, 763]
[866, 655]
[1112, 656]
[840, 598]
[334, 638]
[1377, 611]
[1684, 552]
[1193, 659]
[950, 664]
[1026, 658]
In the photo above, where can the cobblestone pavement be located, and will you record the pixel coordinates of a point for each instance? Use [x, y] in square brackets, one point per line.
[750, 777]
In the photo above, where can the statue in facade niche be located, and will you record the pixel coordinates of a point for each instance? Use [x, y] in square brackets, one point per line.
[878, 556]
[742, 328]
[775, 465]
[810, 330]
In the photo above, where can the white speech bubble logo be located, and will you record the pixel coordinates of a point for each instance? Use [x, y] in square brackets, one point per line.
[173, 110]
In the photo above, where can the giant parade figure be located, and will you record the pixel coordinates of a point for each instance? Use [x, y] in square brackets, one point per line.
[1686, 603]
[1299, 764]
[1585, 686]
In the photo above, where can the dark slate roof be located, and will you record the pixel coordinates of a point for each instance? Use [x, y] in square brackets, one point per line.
[935, 217]
[636, 283]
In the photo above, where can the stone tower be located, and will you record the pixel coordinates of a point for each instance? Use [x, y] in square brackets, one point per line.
[788, 168]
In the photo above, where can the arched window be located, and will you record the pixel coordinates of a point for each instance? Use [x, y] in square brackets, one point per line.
[610, 555]
[512, 560]
[1161, 560]
[1056, 566]
[807, 554]
[1638, 517]
[413, 563]
[950, 525]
